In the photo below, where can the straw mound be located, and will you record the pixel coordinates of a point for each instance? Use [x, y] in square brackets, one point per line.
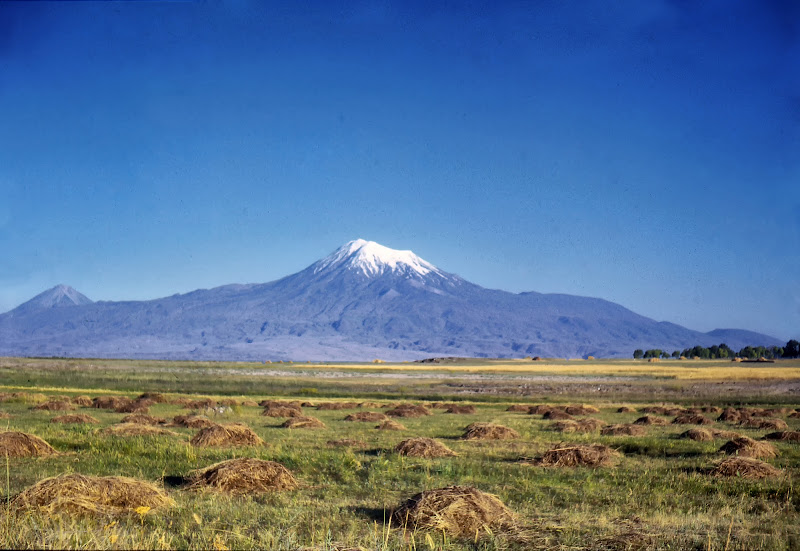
[347, 443]
[591, 455]
[336, 405]
[584, 425]
[135, 406]
[488, 431]
[626, 409]
[230, 402]
[250, 403]
[519, 408]
[698, 435]
[624, 430]
[143, 419]
[731, 415]
[461, 410]
[54, 406]
[303, 423]
[134, 429]
[765, 424]
[390, 424]
[74, 419]
[656, 410]
[581, 410]
[154, 397]
[192, 421]
[83, 401]
[282, 411]
[794, 415]
[20, 444]
[650, 420]
[747, 447]
[556, 414]
[744, 467]
[423, 447]
[459, 511]
[98, 495]
[226, 435]
[109, 402]
[408, 410]
[370, 405]
[539, 409]
[785, 435]
[367, 416]
[243, 476]
[692, 419]
[202, 403]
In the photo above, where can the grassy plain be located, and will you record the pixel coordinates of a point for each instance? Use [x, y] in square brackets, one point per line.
[659, 496]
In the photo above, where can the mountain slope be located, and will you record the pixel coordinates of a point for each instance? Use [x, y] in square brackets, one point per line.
[361, 302]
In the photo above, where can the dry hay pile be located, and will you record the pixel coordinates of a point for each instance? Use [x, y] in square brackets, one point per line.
[698, 435]
[390, 424]
[650, 420]
[282, 411]
[336, 405]
[488, 431]
[458, 511]
[747, 447]
[794, 415]
[249, 403]
[623, 430]
[283, 403]
[744, 467]
[674, 411]
[83, 401]
[99, 495]
[109, 402]
[581, 410]
[243, 476]
[203, 403]
[226, 435]
[370, 405]
[60, 405]
[229, 402]
[655, 410]
[518, 408]
[626, 409]
[21, 444]
[134, 429]
[347, 443]
[584, 455]
[135, 406]
[765, 424]
[461, 409]
[74, 419]
[423, 447]
[731, 415]
[557, 415]
[540, 409]
[408, 410]
[143, 419]
[584, 425]
[366, 416]
[154, 397]
[692, 419]
[784, 435]
[303, 422]
[192, 421]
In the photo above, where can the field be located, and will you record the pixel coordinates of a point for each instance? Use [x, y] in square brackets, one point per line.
[656, 491]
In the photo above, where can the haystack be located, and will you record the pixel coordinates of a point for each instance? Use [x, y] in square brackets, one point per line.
[731, 415]
[109, 402]
[586, 455]
[692, 419]
[581, 410]
[518, 408]
[625, 409]
[134, 429]
[650, 420]
[303, 422]
[154, 397]
[74, 419]
[282, 411]
[623, 430]
[243, 476]
[366, 416]
[370, 405]
[557, 415]
[747, 447]
[488, 431]
[408, 410]
[229, 402]
[226, 435]
[202, 403]
[744, 467]
[423, 447]
[540, 409]
[336, 405]
[82, 401]
[461, 409]
[765, 424]
[390, 424]
[584, 425]
[91, 495]
[143, 419]
[192, 421]
[784, 435]
[656, 410]
[458, 511]
[794, 415]
[52, 405]
[249, 403]
[20, 444]
[135, 406]
[698, 435]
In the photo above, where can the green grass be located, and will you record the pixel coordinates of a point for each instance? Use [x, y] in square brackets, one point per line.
[657, 497]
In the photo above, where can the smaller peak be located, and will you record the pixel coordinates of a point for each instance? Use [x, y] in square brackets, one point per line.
[59, 296]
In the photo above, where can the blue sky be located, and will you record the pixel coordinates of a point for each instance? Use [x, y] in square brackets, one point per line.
[642, 152]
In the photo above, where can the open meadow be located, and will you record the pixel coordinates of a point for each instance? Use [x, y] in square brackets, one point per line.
[509, 454]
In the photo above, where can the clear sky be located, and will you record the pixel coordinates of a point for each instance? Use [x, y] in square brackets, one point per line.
[645, 152]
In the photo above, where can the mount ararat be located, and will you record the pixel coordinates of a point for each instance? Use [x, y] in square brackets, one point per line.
[364, 301]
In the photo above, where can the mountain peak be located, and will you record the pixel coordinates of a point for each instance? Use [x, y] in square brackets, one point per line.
[372, 259]
[59, 296]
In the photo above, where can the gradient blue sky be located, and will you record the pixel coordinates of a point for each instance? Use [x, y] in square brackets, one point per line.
[643, 152]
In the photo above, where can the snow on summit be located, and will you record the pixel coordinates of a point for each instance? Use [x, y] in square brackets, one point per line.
[373, 259]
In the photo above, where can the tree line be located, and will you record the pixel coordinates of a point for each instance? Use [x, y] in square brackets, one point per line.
[791, 350]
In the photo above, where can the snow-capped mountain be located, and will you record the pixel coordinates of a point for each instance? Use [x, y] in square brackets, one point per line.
[361, 302]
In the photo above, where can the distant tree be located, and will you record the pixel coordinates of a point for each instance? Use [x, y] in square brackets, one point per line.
[777, 352]
[792, 349]
[638, 354]
[676, 354]
[652, 353]
[665, 355]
